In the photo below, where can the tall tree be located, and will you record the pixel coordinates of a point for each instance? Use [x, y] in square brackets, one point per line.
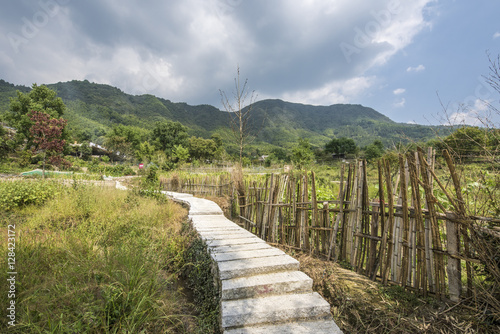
[47, 133]
[341, 145]
[40, 98]
[302, 154]
[239, 113]
[166, 135]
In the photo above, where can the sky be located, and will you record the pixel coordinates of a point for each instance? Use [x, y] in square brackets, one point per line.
[419, 61]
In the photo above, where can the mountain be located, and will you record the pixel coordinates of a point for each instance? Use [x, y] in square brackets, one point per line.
[95, 108]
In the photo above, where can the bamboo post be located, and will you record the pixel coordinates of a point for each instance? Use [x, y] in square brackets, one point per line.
[357, 221]
[305, 214]
[333, 235]
[384, 226]
[390, 219]
[314, 216]
[428, 223]
[325, 224]
[462, 215]
[453, 268]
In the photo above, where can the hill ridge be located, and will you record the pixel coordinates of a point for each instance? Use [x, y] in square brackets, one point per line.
[98, 107]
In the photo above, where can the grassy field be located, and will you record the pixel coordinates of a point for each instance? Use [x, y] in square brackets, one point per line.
[93, 260]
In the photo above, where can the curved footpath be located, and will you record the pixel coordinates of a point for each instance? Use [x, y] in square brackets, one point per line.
[261, 288]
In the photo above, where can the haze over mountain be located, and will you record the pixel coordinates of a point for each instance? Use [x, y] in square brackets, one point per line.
[96, 108]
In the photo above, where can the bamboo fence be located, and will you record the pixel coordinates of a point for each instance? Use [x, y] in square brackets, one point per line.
[405, 236]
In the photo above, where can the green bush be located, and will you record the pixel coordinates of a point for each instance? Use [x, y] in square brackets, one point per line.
[15, 194]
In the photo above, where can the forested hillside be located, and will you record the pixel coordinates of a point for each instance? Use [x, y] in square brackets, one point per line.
[94, 109]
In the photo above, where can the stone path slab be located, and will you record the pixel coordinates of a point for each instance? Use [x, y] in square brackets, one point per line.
[261, 288]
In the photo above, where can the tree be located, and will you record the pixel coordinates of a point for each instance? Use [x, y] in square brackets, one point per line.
[302, 153]
[202, 149]
[125, 139]
[40, 98]
[168, 134]
[145, 152]
[239, 113]
[374, 150]
[85, 150]
[466, 141]
[47, 133]
[4, 143]
[181, 153]
[341, 145]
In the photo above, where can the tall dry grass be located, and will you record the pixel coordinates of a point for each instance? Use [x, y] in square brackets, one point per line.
[98, 260]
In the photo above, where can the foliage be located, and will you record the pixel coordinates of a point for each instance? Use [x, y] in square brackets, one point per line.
[110, 170]
[467, 141]
[168, 134]
[15, 194]
[203, 149]
[85, 150]
[40, 98]
[99, 260]
[125, 139]
[47, 134]
[94, 109]
[145, 152]
[5, 143]
[180, 153]
[302, 153]
[199, 276]
[341, 145]
[374, 150]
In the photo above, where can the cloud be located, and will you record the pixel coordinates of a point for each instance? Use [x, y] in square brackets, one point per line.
[475, 114]
[464, 118]
[496, 35]
[400, 103]
[419, 68]
[335, 92]
[399, 91]
[186, 51]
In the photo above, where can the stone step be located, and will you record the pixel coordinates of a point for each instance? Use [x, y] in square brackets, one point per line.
[301, 327]
[231, 256]
[274, 309]
[229, 242]
[225, 234]
[256, 266]
[267, 284]
[238, 248]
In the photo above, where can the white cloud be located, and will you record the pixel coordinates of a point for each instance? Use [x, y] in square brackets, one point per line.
[419, 68]
[400, 103]
[475, 114]
[464, 117]
[399, 91]
[332, 92]
[496, 35]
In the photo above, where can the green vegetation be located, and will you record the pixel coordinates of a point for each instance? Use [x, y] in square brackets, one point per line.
[105, 115]
[16, 194]
[96, 260]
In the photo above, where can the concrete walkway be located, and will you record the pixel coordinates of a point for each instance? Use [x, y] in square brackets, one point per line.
[261, 288]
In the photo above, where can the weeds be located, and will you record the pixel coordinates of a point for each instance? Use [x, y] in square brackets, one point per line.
[97, 260]
[200, 278]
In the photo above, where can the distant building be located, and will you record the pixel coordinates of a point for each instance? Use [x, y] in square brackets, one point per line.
[339, 156]
[263, 158]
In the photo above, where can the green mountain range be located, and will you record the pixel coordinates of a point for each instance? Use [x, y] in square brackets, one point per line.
[94, 109]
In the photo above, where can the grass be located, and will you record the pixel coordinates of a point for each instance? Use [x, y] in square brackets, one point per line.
[97, 260]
